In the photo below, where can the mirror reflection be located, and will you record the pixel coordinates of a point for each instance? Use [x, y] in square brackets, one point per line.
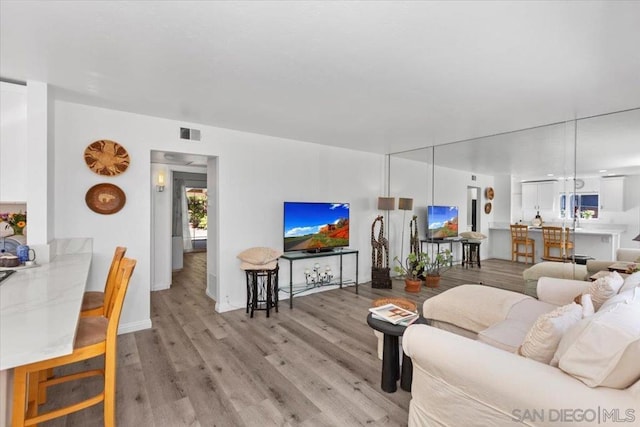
[583, 175]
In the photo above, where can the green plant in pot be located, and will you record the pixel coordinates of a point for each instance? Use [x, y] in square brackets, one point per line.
[433, 267]
[420, 266]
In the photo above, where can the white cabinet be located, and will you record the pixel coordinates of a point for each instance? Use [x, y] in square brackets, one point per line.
[13, 143]
[539, 197]
[612, 194]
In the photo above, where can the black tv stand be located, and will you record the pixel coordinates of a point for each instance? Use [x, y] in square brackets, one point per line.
[319, 250]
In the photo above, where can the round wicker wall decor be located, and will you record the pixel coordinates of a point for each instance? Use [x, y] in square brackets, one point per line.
[105, 198]
[106, 157]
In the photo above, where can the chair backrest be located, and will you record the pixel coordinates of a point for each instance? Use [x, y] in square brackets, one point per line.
[111, 276]
[519, 232]
[555, 235]
[114, 308]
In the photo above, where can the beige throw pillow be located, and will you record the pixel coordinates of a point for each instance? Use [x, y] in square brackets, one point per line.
[604, 288]
[542, 339]
[259, 255]
[603, 350]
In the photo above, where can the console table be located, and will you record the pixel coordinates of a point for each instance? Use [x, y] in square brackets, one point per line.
[439, 242]
[296, 256]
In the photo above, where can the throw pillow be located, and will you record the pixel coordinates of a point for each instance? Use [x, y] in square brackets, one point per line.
[604, 350]
[604, 288]
[631, 282]
[259, 255]
[587, 306]
[542, 339]
[472, 235]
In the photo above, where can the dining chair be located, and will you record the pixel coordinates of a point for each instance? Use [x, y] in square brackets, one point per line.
[520, 237]
[95, 336]
[556, 238]
[93, 301]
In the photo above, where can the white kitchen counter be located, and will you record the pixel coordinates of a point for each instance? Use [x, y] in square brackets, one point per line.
[39, 310]
[597, 243]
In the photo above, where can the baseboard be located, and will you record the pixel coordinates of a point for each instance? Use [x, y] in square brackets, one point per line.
[222, 307]
[134, 326]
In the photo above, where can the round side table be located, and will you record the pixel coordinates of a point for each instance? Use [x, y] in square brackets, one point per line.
[391, 355]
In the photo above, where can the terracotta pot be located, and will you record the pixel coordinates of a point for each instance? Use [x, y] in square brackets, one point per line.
[432, 281]
[411, 285]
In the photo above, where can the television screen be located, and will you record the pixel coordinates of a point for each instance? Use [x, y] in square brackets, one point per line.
[442, 222]
[315, 226]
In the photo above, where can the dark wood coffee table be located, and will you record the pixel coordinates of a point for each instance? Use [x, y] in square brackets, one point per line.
[391, 355]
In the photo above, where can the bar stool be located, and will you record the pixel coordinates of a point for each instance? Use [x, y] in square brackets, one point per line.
[96, 336]
[260, 265]
[520, 236]
[470, 253]
[556, 238]
[262, 290]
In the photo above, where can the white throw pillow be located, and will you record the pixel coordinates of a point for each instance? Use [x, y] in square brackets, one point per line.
[631, 282]
[604, 350]
[542, 339]
[587, 305]
[604, 288]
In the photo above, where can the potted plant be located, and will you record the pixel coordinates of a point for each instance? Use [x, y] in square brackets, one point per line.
[411, 270]
[440, 263]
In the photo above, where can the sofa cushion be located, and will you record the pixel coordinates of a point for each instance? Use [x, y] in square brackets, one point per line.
[541, 342]
[604, 350]
[604, 288]
[506, 335]
[528, 310]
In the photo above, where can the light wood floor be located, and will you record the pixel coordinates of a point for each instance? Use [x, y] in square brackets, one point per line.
[315, 365]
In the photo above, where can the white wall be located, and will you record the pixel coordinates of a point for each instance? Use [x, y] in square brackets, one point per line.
[255, 174]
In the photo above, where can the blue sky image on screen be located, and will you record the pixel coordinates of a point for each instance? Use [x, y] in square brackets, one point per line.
[315, 225]
[442, 221]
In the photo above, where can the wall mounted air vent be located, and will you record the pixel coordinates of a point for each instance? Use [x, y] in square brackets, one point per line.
[190, 134]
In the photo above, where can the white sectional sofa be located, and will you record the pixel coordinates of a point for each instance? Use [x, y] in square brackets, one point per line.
[465, 370]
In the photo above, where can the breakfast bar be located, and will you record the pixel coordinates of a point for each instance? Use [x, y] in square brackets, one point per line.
[597, 243]
[39, 312]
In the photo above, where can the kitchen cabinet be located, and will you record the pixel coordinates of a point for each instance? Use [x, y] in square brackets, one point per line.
[539, 196]
[612, 194]
[13, 143]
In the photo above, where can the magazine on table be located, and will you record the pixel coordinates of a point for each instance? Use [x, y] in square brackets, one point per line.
[393, 314]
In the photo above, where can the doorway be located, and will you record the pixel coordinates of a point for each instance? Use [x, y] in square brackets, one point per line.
[190, 180]
[473, 213]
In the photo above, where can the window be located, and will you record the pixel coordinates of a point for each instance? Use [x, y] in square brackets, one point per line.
[585, 206]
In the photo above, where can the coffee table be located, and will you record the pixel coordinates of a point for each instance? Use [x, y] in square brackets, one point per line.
[621, 266]
[391, 355]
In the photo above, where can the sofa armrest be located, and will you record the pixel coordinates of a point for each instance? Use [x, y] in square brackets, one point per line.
[560, 291]
[493, 385]
[594, 265]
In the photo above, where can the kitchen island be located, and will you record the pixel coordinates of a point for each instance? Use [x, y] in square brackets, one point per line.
[596, 243]
[39, 312]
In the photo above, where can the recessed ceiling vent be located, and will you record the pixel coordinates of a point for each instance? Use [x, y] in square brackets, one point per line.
[190, 134]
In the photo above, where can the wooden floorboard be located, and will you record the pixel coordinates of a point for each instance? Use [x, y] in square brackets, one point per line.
[315, 365]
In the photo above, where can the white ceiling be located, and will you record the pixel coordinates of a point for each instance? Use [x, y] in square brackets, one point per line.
[379, 76]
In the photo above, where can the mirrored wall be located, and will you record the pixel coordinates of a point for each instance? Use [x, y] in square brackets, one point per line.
[582, 174]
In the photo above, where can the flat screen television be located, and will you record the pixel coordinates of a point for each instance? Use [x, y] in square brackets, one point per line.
[315, 227]
[442, 222]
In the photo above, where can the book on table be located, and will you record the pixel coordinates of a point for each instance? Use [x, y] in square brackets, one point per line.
[393, 314]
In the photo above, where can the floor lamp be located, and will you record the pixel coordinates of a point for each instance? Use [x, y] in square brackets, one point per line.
[404, 205]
